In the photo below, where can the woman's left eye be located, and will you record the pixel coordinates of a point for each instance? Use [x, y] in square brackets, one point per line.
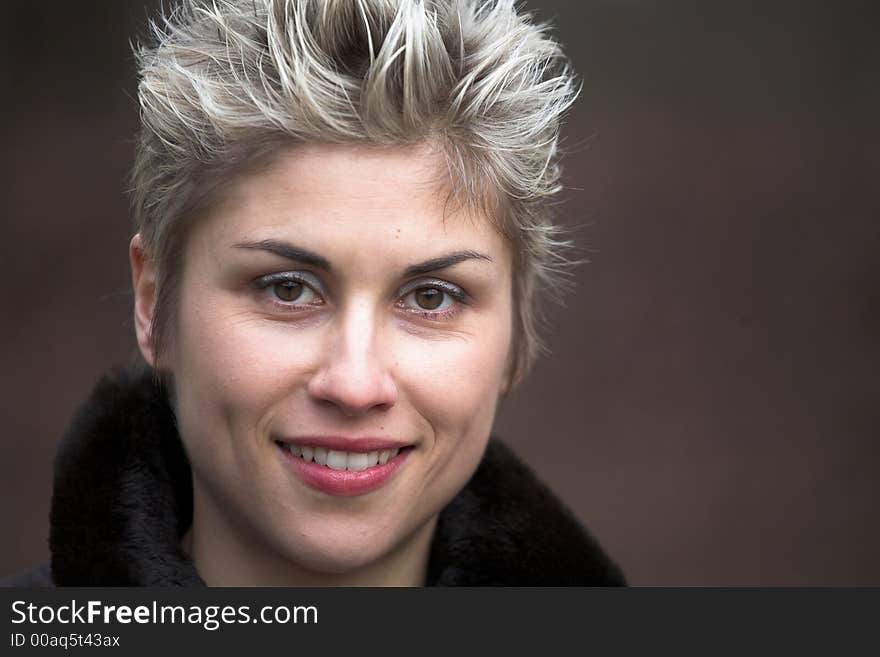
[433, 298]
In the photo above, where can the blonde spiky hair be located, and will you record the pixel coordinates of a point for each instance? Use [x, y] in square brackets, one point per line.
[228, 81]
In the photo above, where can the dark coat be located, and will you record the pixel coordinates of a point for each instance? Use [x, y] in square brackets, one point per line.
[122, 499]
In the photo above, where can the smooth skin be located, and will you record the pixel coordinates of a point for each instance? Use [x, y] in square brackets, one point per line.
[339, 336]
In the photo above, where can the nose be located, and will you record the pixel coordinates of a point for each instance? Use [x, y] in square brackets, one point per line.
[352, 374]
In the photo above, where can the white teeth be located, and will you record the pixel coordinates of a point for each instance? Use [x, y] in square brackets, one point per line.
[356, 462]
[336, 460]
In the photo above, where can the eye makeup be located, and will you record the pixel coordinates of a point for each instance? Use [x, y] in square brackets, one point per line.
[458, 296]
[455, 291]
[310, 287]
[455, 298]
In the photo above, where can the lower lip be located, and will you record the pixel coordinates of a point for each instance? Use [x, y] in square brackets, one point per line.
[344, 482]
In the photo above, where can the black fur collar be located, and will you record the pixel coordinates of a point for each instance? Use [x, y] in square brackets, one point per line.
[123, 497]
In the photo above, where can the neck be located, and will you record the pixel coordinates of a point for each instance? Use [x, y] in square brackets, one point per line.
[228, 555]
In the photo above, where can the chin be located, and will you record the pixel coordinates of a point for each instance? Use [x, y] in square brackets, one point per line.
[345, 547]
[330, 560]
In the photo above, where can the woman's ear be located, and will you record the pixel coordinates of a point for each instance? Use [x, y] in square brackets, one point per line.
[143, 280]
[507, 382]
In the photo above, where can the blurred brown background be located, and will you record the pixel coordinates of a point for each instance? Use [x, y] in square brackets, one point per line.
[710, 408]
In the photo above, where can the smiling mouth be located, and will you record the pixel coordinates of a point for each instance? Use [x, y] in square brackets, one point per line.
[340, 460]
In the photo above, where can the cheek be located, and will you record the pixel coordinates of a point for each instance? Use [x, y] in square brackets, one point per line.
[231, 372]
[454, 386]
[232, 349]
[455, 382]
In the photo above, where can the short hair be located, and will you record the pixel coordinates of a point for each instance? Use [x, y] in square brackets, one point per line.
[228, 81]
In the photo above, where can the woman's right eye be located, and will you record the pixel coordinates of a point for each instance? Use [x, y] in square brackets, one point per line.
[291, 289]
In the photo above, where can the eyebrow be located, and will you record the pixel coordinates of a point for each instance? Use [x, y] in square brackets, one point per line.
[436, 264]
[289, 251]
[299, 254]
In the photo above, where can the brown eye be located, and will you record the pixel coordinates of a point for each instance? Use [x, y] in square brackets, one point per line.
[429, 298]
[288, 290]
[435, 300]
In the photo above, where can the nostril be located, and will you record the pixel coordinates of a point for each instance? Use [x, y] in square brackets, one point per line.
[353, 392]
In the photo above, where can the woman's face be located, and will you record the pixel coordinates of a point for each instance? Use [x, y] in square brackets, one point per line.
[332, 309]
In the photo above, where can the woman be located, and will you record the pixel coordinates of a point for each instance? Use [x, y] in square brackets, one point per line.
[343, 232]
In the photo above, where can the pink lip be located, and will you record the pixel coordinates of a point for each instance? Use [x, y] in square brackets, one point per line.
[343, 444]
[342, 482]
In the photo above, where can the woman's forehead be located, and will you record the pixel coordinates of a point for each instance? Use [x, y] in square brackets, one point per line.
[345, 172]
[336, 199]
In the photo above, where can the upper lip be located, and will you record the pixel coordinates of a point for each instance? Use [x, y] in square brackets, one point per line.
[345, 444]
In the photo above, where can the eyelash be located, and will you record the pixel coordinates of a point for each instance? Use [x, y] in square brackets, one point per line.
[460, 297]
